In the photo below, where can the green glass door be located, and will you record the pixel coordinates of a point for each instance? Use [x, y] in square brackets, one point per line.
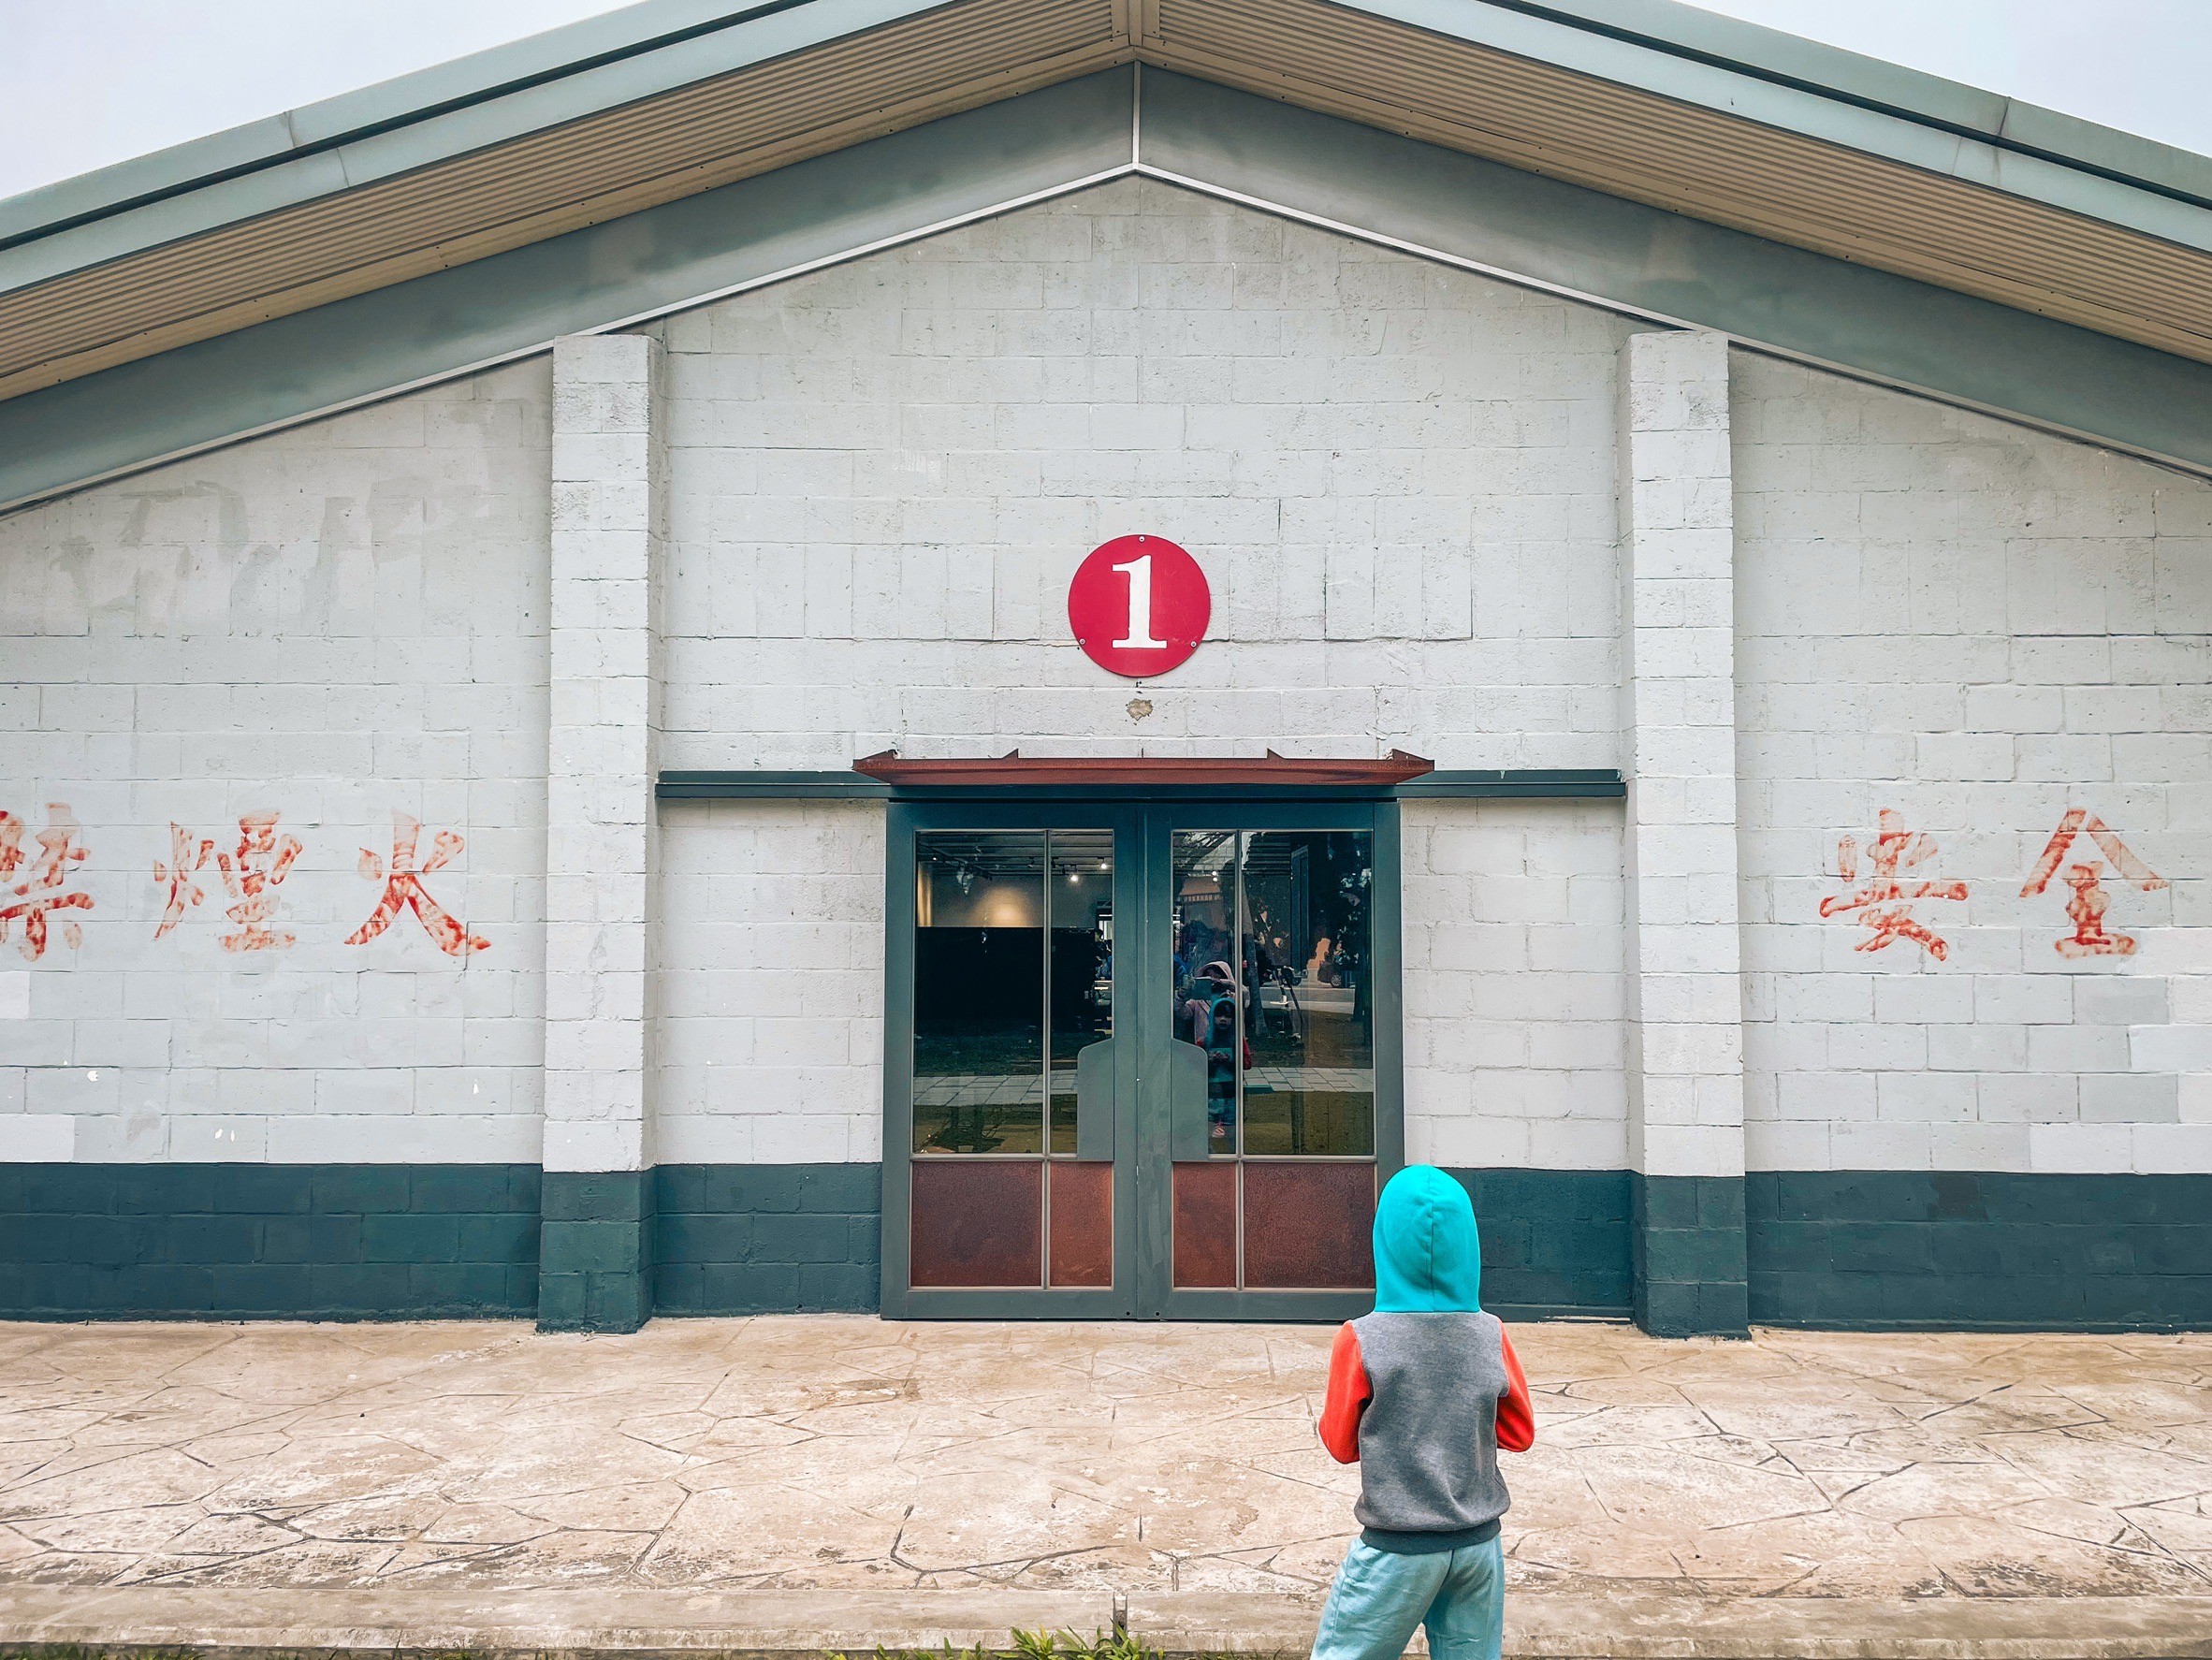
[1141, 1059]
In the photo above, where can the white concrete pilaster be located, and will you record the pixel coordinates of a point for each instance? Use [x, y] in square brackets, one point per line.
[1685, 994]
[609, 523]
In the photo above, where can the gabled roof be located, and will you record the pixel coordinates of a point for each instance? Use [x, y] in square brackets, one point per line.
[1649, 100]
[1642, 100]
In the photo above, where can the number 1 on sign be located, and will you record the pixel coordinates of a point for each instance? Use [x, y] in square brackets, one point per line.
[1137, 605]
[1139, 571]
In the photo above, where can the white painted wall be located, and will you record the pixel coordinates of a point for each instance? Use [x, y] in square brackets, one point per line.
[608, 539]
[771, 997]
[336, 624]
[1514, 1034]
[1978, 627]
[772, 1005]
[1683, 939]
[1399, 478]
[1402, 480]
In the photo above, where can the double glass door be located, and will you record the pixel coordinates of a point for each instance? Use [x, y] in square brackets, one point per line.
[1142, 1059]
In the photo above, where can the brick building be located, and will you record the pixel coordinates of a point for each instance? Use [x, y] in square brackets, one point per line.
[1704, 726]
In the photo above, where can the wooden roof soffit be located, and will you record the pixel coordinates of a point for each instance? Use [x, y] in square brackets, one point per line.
[1143, 771]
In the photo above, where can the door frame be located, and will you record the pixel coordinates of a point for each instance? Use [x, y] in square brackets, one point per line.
[1143, 822]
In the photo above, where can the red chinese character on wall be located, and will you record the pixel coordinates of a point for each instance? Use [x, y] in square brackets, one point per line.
[188, 856]
[34, 899]
[251, 876]
[2090, 903]
[1883, 902]
[403, 886]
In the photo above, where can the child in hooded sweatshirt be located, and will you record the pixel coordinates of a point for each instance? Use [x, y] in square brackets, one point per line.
[1422, 1393]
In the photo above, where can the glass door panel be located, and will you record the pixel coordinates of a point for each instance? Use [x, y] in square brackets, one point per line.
[1012, 985]
[1081, 995]
[1271, 939]
[1310, 1088]
[1206, 1225]
[1307, 1224]
[1082, 1219]
[979, 985]
[977, 1221]
[1208, 1011]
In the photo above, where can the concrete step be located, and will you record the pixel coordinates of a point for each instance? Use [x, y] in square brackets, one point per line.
[82, 1621]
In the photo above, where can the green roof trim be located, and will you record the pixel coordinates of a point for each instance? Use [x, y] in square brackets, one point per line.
[1812, 65]
[1430, 202]
[408, 123]
[1823, 92]
[564, 74]
[514, 67]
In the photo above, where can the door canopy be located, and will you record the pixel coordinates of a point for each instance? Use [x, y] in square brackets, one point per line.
[1143, 772]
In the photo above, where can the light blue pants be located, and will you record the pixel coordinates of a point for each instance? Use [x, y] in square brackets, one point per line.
[1380, 1596]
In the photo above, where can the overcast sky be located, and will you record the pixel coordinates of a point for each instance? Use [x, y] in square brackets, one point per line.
[87, 82]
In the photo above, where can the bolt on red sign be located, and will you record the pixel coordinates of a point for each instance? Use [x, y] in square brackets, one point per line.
[1139, 607]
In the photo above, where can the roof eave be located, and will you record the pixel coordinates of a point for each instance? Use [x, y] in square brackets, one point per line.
[1657, 46]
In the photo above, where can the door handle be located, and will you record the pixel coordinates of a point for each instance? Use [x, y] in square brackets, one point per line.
[1094, 1103]
[1189, 1136]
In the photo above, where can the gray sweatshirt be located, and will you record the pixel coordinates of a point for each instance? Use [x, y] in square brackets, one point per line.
[1428, 1439]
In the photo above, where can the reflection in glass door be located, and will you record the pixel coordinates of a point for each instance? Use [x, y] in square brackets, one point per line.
[1273, 1135]
[1012, 986]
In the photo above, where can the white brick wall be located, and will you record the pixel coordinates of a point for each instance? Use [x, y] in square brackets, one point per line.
[1684, 984]
[772, 1004]
[1401, 481]
[335, 624]
[608, 531]
[772, 999]
[1514, 1029]
[1978, 628]
[1398, 478]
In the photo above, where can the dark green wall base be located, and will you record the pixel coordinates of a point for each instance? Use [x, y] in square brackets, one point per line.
[1687, 1244]
[595, 1251]
[1852, 1250]
[344, 1241]
[1554, 1241]
[767, 1238]
[421, 1242]
[1980, 1250]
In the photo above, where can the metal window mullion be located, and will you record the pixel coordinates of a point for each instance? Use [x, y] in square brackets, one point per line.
[1044, 983]
[1236, 973]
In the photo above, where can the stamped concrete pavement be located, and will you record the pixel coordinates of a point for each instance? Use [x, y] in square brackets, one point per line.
[832, 1453]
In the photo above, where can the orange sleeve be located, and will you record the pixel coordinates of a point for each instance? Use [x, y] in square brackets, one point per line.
[1348, 1394]
[1517, 1419]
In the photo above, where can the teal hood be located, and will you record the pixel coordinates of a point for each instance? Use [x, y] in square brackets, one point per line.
[1428, 1259]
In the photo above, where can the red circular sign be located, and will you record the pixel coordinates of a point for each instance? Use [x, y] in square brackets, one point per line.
[1138, 605]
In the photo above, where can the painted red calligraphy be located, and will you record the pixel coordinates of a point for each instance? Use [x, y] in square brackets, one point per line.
[2090, 903]
[251, 877]
[1884, 901]
[187, 857]
[32, 900]
[403, 888]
